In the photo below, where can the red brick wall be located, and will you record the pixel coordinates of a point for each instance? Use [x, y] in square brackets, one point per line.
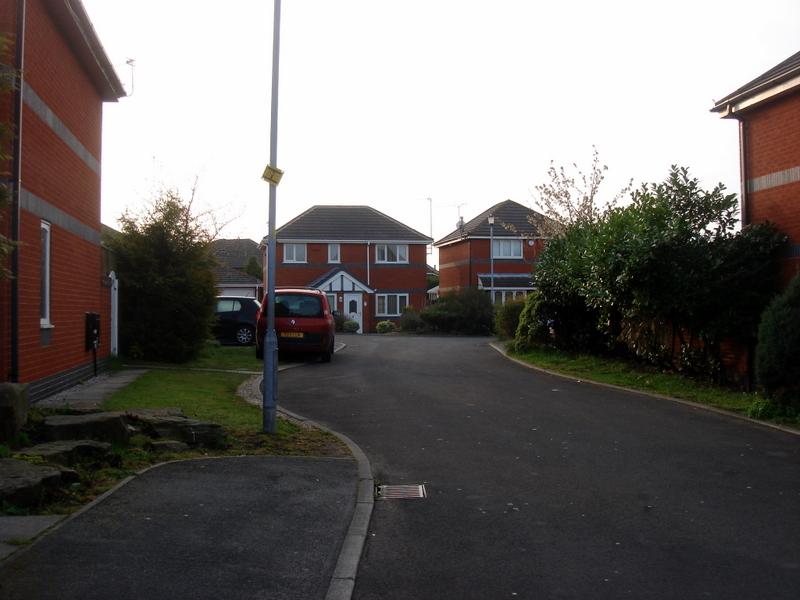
[460, 263]
[772, 144]
[383, 278]
[54, 173]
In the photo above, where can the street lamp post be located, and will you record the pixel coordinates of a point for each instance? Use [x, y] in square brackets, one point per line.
[491, 258]
[270, 373]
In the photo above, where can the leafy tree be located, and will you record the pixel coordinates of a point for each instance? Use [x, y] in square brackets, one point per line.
[253, 268]
[778, 350]
[569, 199]
[7, 84]
[165, 265]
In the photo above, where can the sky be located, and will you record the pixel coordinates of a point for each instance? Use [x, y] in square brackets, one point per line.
[391, 103]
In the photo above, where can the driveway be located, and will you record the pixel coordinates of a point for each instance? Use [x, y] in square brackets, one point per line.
[542, 487]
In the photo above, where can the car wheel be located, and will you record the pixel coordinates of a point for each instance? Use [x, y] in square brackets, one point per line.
[328, 354]
[245, 336]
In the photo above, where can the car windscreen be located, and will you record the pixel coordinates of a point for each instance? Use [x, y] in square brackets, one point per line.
[297, 305]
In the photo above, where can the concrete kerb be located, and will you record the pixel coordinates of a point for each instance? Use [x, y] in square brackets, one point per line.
[499, 347]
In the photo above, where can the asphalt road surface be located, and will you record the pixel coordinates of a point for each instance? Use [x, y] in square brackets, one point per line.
[544, 487]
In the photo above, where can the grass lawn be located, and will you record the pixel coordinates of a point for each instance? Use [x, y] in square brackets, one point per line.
[637, 377]
[216, 356]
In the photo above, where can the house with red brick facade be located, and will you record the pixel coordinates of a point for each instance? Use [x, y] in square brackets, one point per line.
[768, 112]
[59, 296]
[516, 237]
[370, 266]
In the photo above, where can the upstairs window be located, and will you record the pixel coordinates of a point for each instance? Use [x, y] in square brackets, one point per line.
[334, 253]
[294, 253]
[507, 249]
[391, 253]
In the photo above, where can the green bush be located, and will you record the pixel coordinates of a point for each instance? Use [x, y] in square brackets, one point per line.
[385, 327]
[338, 321]
[350, 326]
[506, 318]
[778, 350]
[532, 330]
[410, 320]
[467, 311]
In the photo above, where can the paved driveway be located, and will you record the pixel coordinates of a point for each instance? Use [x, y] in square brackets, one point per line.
[541, 487]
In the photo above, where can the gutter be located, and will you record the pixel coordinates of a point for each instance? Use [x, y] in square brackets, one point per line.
[16, 175]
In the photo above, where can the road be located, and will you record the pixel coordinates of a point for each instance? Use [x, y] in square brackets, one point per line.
[543, 487]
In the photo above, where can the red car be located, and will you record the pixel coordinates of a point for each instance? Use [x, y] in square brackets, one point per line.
[303, 323]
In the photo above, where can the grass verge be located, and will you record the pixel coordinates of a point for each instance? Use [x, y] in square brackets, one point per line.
[215, 356]
[208, 396]
[637, 377]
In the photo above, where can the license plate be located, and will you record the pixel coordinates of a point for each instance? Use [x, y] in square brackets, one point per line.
[291, 334]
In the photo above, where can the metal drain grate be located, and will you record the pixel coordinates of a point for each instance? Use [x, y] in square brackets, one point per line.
[400, 492]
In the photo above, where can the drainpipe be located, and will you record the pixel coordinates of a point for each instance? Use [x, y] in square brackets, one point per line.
[368, 283]
[743, 170]
[17, 184]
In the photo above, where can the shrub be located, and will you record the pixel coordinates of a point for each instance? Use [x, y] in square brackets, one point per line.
[410, 320]
[385, 327]
[350, 326]
[506, 318]
[338, 321]
[532, 330]
[467, 311]
[778, 350]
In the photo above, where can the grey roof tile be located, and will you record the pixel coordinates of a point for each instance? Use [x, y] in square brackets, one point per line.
[512, 219]
[236, 253]
[347, 223]
[776, 75]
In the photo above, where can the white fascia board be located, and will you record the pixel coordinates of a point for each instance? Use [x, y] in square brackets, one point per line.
[736, 106]
[373, 242]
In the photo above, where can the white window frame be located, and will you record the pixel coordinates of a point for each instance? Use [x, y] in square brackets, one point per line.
[293, 258]
[382, 254]
[385, 299]
[45, 280]
[338, 257]
[498, 245]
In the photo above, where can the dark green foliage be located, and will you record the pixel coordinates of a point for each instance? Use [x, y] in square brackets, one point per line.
[410, 320]
[778, 350]
[467, 311]
[385, 327]
[350, 326]
[167, 293]
[506, 318]
[253, 268]
[338, 321]
[7, 84]
[641, 278]
[431, 280]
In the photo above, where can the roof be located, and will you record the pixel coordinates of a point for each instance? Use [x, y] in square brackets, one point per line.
[72, 19]
[512, 219]
[235, 253]
[228, 276]
[779, 79]
[348, 224]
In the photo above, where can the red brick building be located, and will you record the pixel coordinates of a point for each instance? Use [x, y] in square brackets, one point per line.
[370, 265]
[518, 239]
[54, 213]
[768, 112]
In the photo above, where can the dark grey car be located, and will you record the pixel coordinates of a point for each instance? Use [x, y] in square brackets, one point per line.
[236, 319]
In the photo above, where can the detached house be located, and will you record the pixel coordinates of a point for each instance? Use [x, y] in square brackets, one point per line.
[370, 265]
[55, 310]
[768, 112]
[516, 236]
[232, 277]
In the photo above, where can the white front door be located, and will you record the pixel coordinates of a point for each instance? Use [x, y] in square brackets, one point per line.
[352, 309]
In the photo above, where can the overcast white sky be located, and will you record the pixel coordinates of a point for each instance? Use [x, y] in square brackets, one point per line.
[388, 103]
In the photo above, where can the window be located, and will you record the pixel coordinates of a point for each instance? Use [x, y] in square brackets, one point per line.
[333, 253]
[507, 249]
[391, 305]
[391, 253]
[331, 302]
[297, 305]
[294, 253]
[227, 305]
[44, 297]
[503, 296]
